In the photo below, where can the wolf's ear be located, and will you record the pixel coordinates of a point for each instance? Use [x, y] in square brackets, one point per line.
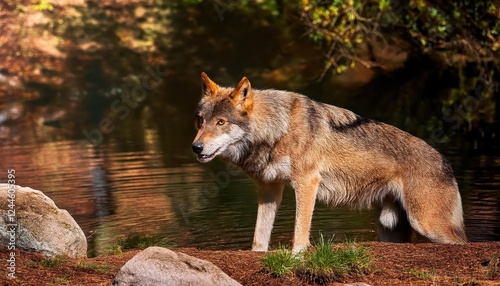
[242, 95]
[208, 87]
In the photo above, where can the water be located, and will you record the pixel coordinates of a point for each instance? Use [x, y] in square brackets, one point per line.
[142, 180]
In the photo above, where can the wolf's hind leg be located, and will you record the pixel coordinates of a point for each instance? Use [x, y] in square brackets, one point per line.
[269, 199]
[393, 224]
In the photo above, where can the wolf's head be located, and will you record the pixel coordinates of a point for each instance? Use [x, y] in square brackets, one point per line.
[222, 120]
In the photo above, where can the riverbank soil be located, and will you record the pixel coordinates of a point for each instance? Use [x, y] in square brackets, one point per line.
[393, 264]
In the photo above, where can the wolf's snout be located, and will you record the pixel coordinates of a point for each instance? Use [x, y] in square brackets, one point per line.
[197, 147]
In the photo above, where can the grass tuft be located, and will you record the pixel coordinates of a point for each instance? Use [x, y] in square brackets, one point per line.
[422, 274]
[280, 262]
[115, 249]
[105, 269]
[324, 262]
[55, 261]
[327, 262]
[140, 241]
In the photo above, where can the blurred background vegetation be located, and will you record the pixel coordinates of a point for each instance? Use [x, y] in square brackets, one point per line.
[63, 55]
[69, 67]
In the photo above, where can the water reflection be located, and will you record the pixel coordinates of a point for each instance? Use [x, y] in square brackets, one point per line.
[481, 196]
[130, 184]
[142, 176]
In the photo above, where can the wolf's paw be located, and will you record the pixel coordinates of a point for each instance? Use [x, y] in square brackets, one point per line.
[298, 250]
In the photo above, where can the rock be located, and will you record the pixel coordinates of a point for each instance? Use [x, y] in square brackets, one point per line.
[41, 225]
[161, 266]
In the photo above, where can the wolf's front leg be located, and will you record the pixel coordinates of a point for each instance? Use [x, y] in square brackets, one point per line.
[305, 199]
[269, 199]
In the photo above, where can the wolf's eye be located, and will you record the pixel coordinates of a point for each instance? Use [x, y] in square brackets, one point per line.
[199, 121]
[221, 122]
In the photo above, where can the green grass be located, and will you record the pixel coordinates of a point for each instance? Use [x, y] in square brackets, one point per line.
[327, 262]
[55, 261]
[140, 241]
[115, 249]
[422, 274]
[324, 262]
[105, 269]
[280, 262]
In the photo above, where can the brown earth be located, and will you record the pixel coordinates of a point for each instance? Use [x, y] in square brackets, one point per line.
[393, 264]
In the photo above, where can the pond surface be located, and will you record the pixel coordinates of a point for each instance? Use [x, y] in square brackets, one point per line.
[69, 129]
[143, 178]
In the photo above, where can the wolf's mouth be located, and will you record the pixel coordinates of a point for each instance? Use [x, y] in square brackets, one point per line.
[205, 158]
[202, 158]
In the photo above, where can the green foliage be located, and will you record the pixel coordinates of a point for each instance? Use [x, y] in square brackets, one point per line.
[101, 47]
[115, 249]
[44, 5]
[384, 4]
[280, 262]
[458, 32]
[328, 262]
[323, 262]
[341, 26]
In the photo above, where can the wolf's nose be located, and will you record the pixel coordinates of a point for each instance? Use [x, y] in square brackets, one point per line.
[197, 147]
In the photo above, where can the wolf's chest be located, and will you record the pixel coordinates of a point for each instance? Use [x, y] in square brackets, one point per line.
[266, 170]
[277, 170]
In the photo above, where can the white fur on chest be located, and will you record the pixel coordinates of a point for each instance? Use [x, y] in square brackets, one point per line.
[277, 170]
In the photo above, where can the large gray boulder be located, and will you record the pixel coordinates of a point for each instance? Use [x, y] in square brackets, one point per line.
[161, 266]
[31, 221]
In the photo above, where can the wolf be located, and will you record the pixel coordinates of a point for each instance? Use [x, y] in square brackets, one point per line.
[329, 154]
